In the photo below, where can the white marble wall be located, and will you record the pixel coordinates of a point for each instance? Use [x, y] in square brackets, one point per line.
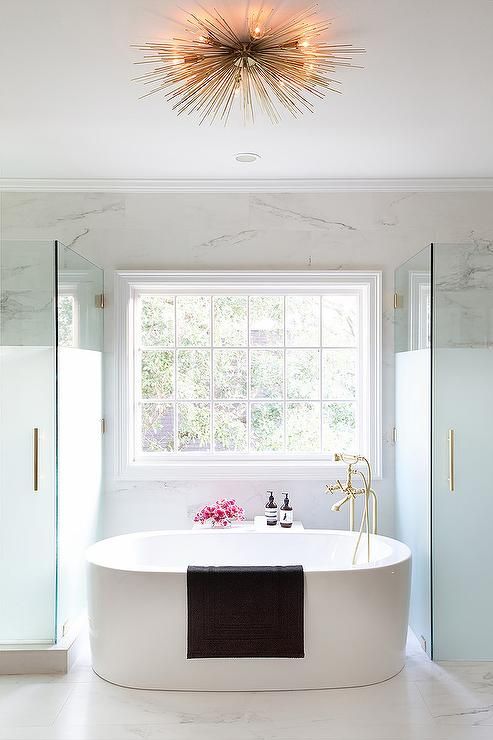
[257, 231]
[26, 294]
[463, 280]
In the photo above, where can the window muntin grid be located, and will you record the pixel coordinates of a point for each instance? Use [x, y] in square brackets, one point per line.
[232, 417]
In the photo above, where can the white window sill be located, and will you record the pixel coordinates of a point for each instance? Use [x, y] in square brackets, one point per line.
[234, 470]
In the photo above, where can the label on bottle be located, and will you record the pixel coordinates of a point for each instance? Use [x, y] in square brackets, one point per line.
[286, 517]
[271, 515]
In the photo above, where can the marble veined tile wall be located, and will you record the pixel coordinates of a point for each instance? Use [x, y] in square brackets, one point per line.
[463, 280]
[256, 231]
[26, 293]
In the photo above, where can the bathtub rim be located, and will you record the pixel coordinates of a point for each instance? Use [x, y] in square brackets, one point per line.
[399, 552]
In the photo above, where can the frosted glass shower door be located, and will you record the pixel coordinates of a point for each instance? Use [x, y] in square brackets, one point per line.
[27, 457]
[462, 486]
[413, 427]
[80, 334]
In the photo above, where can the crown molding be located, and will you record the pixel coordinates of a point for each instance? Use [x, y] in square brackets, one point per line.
[314, 185]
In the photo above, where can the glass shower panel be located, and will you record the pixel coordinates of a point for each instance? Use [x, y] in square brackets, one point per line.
[412, 313]
[80, 337]
[27, 442]
[462, 450]
[80, 289]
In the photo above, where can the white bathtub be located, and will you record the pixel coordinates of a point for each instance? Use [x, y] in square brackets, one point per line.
[355, 617]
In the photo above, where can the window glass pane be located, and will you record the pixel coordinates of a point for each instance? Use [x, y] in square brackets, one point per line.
[303, 373]
[193, 316]
[303, 427]
[157, 427]
[66, 320]
[230, 373]
[339, 428]
[193, 373]
[267, 431]
[266, 373]
[247, 374]
[157, 374]
[339, 373]
[230, 427]
[157, 316]
[266, 321]
[302, 320]
[339, 320]
[194, 426]
[230, 321]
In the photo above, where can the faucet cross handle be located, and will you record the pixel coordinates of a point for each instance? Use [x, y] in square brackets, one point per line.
[337, 486]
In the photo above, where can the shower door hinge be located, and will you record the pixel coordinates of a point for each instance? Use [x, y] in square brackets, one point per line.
[422, 642]
[103, 426]
[394, 435]
[100, 300]
[397, 300]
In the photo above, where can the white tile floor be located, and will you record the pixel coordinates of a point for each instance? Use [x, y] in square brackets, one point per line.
[452, 701]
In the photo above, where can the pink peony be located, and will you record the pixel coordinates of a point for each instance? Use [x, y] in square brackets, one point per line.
[222, 513]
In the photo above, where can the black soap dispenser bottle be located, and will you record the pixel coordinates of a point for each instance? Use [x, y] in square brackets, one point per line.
[271, 510]
[286, 513]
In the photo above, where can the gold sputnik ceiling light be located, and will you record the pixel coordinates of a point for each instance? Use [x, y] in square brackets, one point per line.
[262, 67]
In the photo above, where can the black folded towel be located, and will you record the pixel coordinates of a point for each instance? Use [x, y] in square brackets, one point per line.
[245, 612]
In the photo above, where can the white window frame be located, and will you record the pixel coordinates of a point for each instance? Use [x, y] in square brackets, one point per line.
[128, 283]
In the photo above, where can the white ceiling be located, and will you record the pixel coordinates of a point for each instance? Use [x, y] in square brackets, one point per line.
[421, 107]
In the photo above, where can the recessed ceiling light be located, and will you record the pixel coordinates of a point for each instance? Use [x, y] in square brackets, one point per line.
[247, 157]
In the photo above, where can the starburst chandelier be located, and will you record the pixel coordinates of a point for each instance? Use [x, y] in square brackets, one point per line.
[260, 67]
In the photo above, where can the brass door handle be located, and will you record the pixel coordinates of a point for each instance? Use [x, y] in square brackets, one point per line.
[451, 460]
[35, 459]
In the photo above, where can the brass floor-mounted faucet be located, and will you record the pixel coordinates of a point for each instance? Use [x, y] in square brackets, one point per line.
[350, 493]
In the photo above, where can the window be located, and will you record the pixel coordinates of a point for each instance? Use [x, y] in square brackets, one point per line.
[246, 374]
[68, 314]
[419, 309]
[66, 320]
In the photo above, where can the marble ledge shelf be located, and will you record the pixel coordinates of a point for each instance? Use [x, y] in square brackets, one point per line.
[259, 524]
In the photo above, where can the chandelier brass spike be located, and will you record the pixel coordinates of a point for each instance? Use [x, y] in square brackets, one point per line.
[263, 66]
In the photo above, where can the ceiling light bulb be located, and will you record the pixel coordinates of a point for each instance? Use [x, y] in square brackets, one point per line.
[247, 157]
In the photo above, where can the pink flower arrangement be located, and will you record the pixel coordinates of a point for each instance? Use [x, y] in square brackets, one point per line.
[222, 513]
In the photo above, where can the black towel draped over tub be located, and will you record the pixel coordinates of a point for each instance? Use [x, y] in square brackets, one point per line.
[245, 612]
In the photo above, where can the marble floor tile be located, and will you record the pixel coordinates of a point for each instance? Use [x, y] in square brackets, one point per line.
[62, 731]
[460, 694]
[78, 674]
[103, 703]
[205, 732]
[426, 701]
[31, 703]
[350, 730]
[391, 701]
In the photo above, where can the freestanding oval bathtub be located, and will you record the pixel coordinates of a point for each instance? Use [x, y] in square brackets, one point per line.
[355, 616]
